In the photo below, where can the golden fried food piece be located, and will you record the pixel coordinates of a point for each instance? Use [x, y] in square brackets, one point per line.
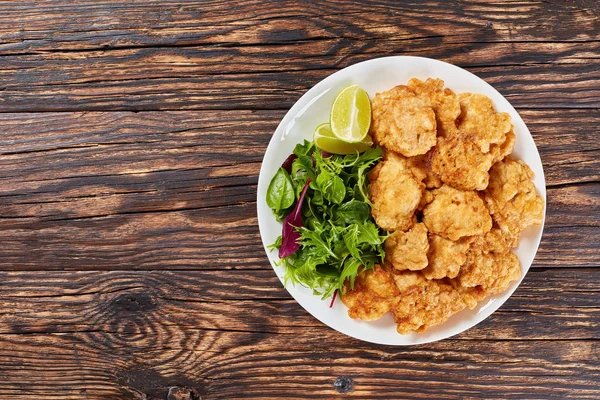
[512, 199]
[470, 295]
[454, 214]
[499, 151]
[372, 296]
[446, 257]
[418, 166]
[425, 199]
[458, 162]
[423, 303]
[490, 264]
[444, 102]
[395, 194]
[403, 122]
[480, 121]
[408, 250]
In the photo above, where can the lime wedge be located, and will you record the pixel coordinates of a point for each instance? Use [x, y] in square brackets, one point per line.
[326, 140]
[351, 115]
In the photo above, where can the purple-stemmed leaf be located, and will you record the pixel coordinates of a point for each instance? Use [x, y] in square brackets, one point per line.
[289, 234]
[287, 164]
[325, 154]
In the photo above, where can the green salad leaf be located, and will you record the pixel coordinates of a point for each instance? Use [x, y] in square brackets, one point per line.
[338, 236]
[280, 194]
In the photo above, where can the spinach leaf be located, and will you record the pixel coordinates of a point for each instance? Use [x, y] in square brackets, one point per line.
[280, 194]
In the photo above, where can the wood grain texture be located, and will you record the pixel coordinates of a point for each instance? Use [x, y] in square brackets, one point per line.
[89, 24]
[196, 57]
[234, 334]
[131, 137]
[175, 79]
[167, 189]
[235, 365]
[63, 302]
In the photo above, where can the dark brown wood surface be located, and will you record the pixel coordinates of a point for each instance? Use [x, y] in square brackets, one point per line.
[131, 137]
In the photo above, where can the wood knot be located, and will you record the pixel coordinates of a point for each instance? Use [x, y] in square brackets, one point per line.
[344, 384]
[183, 393]
[132, 302]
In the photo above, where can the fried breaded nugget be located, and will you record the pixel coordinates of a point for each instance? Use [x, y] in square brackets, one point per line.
[425, 199]
[499, 151]
[408, 250]
[445, 257]
[372, 296]
[479, 120]
[490, 264]
[403, 122]
[423, 303]
[395, 194]
[454, 214]
[470, 295]
[444, 103]
[418, 166]
[512, 199]
[458, 162]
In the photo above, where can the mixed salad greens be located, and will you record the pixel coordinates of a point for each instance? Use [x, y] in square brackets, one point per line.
[328, 233]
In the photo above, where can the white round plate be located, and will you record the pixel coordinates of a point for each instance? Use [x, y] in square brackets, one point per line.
[375, 76]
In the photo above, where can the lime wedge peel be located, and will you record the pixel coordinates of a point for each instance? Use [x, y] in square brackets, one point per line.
[350, 116]
[326, 140]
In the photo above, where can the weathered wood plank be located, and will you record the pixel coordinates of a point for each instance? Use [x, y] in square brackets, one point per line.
[208, 238]
[255, 302]
[230, 334]
[159, 189]
[232, 365]
[89, 24]
[37, 148]
[174, 79]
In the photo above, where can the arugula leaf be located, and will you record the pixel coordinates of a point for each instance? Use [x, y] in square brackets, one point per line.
[369, 233]
[350, 271]
[304, 148]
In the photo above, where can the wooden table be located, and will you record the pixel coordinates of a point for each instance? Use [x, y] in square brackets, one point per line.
[131, 137]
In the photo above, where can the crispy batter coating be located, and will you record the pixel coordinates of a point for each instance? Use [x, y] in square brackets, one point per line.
[408, 250]
[395, 194]
[490, 264]
[444, 102]
[425, 199]
[418, 166]
[403, 122]
[423, 303]
[372, 296]
[512, 198]
[499, 151]
[458, 162]
[480, 121]
[454, 214]
[446, 257]
[470, 295]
